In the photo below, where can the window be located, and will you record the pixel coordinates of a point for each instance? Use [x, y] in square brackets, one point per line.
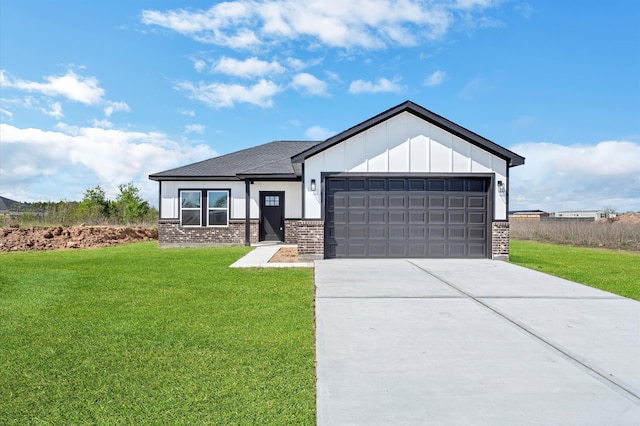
[272, 200]
[218, 210]
[204, 207]
[190, 202]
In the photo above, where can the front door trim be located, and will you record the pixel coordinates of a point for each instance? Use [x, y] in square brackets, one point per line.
[271, 216]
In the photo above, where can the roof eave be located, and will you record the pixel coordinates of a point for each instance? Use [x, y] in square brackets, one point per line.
[196, 178]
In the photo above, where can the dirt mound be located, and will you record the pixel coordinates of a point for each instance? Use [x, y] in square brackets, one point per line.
[75, 237]
[629, 218]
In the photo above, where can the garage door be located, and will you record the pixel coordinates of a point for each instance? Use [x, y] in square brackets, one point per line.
[424, 217]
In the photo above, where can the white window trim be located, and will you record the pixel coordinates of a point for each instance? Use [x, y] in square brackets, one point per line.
[228, 208]
[204, 208]
[199, 209]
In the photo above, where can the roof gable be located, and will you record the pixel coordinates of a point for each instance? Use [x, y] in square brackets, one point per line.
[512, 158]
[270, 159]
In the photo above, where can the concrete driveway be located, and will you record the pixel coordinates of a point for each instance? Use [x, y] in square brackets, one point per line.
[471, 342]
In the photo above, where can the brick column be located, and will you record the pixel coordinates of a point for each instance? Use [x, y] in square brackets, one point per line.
[311, 239]
[500, 240]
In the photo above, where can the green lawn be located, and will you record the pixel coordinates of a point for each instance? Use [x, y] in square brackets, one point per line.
[138, 335]
[610, 270]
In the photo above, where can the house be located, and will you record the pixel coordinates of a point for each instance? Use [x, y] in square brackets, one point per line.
[12, 207]
[585, 215]
[406, 183]
[528, 215]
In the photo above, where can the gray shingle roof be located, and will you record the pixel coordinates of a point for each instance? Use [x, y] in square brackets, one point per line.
[272, 158]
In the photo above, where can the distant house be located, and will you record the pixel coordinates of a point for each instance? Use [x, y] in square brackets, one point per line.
[585, 215]
[9, 206]
[528, 215]
[405, 183]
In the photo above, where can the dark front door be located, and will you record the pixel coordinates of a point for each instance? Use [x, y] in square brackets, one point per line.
[271, 216]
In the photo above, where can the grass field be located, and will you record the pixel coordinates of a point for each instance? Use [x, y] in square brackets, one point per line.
[610, 270]
[138, 335]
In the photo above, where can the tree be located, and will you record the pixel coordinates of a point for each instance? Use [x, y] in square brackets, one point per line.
[129, 206]
[94, 206]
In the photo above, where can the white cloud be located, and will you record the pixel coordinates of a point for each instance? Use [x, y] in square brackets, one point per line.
[557, 177]
[475, 87]
[199, 65]
[318, 133]
[188, 112]
[298, 64]
[251, 67]
[71, 86]
[218, 95]
[310, 85]
[55, 111]
[6, 112]
[115, 106]
[381, 86]
[435, 79]
[71, 159]
[194, 128]
[104, 124]
[345, 23]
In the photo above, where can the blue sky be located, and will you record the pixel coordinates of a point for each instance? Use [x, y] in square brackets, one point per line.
[104, 93]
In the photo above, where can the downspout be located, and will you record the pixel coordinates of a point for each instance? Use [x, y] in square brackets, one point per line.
[247, 212]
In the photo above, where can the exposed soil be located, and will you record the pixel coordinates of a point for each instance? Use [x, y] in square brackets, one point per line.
[285, 255]
[75, 237]
[629, 218]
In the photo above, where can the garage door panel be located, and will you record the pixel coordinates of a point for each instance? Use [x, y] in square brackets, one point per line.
[457, 233]
[417, 233]
[477, 250]
[377, 217]
[340, 201]
[456, 217]
[397, 250]
[417, 217]
[456, 202]
[398, 217]
[357, 217]
[378, 249]
[357, 232]
[477, 218]
[417, 250]
[436, 249]
[457, 250]
[356, 184]
[476, 202]
[438, 217]
[377, 185]
[377, 201]
[406, 217]
[437, 233]
[397, 202]
[357, 201]
[477, 234]
[417, 202]
[436, 201]
[378, 232]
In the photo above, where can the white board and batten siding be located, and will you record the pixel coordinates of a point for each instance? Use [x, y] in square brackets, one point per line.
[292, 196]
[402, 144]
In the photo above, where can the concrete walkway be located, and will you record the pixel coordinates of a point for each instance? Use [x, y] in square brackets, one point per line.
[480, 342]
[260, 255]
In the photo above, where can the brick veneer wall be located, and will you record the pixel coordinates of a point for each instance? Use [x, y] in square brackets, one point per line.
[500, 240]
[171, 234]
[310, 239]
[291, 231]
